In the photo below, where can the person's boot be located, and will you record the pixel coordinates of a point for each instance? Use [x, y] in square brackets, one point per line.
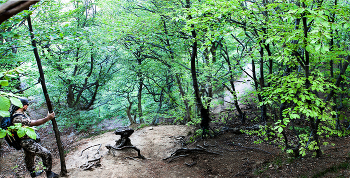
[36, 173]
[51, 174]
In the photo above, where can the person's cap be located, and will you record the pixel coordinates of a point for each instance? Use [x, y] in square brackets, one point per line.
[24, 101]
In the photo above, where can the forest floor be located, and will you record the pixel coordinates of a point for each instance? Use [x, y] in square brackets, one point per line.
[225, 155]
[237, 156]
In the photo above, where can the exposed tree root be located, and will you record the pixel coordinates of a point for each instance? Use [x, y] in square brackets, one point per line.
[251, 148]
[183, 152]
[89, 164]
[112, 148]
[191, 164]
[98, 150]
[174, 157]
[124, 142]
[94, 162]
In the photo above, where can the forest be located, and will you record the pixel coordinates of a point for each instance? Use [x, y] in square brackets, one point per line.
[141, 62]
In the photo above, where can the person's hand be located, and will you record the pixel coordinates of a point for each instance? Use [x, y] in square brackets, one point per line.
[50, 115]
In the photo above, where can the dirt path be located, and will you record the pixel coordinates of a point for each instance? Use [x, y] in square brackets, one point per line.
[159, 142]
[155, 144]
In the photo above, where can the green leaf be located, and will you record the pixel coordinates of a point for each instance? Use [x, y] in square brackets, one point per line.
[324, 49]
[30, 132]
[280, 129]
[2, 133]
[317, 47]
[18, 125]
[4, 113]
[4, 103]
[4, 83]
[16, 102]
[21, 132]
[294, 116]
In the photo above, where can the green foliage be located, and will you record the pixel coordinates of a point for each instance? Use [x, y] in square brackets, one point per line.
[142, 125]
[20, 130]
[80, 120]
[105, 57]
[6, 99]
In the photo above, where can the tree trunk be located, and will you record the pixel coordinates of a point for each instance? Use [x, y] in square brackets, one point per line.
[307, 83]
[11, 8]
[262, 83]
[70, 96]
[139, 99]
[204, 112]
[128, 112]
[182, 93]
[48, 102]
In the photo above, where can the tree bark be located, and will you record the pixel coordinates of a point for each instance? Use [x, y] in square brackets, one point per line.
[204, 112]
[139, 99]
[128, 112]
[307, 82]
[11, 8]
[182, 93]
[48, 102]
[262, 82]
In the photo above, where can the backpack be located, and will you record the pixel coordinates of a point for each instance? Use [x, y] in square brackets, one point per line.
[14, 140]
